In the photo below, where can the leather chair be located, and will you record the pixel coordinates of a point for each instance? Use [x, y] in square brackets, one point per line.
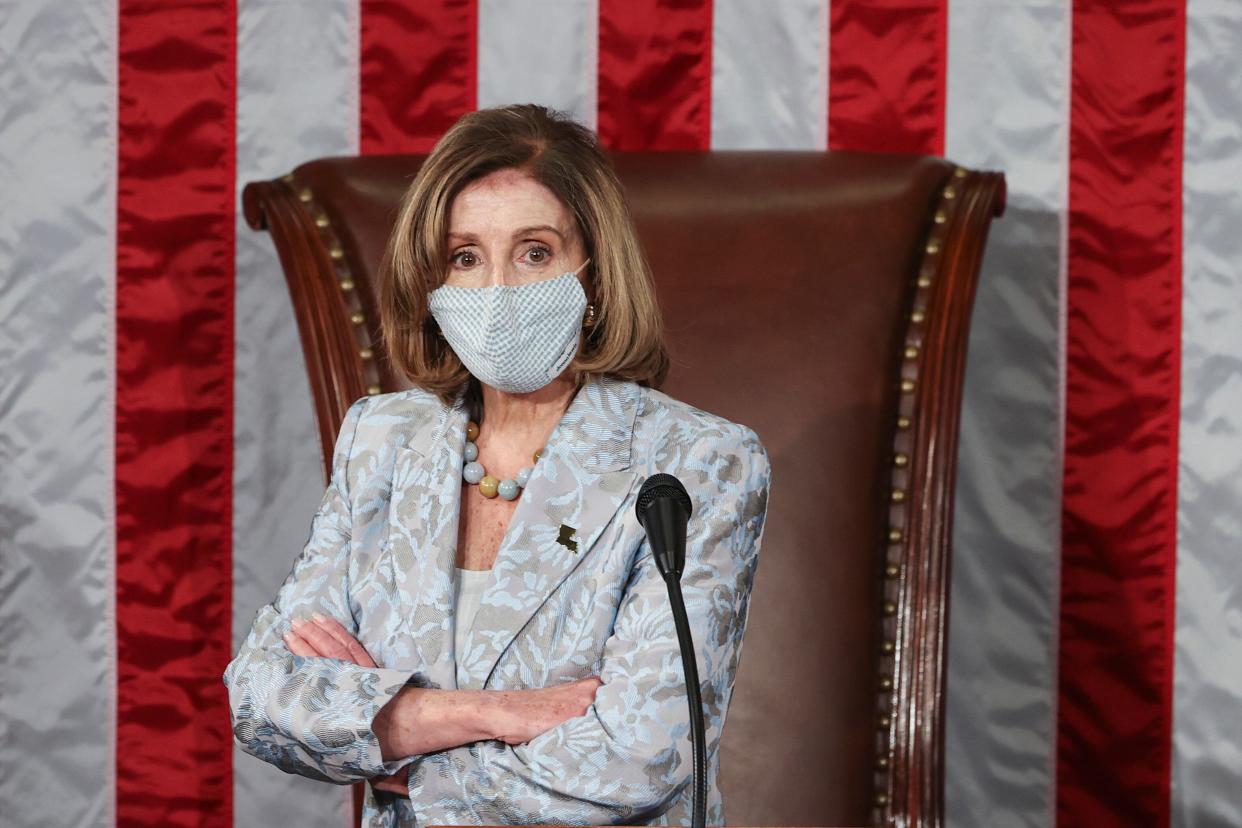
[824, 300]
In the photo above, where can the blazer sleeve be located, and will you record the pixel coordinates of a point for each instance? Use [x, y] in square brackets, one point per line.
[312, 716]
[629, 756]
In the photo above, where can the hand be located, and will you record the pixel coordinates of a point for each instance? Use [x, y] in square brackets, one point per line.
[521, 715]
[326, 638]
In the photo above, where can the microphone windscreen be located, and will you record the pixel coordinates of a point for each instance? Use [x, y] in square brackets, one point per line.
[658, 486]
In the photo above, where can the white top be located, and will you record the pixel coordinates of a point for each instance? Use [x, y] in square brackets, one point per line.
[467, 590]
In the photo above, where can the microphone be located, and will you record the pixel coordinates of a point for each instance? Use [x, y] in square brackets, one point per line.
[664, 509]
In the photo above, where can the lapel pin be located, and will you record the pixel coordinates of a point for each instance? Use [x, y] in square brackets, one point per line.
[568, 538]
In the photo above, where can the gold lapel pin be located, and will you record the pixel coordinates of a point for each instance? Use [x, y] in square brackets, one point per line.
[566, 538]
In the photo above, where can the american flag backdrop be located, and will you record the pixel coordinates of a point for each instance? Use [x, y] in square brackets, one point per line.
[157, 445]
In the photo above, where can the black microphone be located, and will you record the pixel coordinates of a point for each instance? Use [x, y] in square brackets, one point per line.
[664, 509]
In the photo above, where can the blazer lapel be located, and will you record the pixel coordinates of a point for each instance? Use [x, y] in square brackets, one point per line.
[422, 543]
[576, 488]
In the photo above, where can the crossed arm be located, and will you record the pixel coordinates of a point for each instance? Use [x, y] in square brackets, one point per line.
[421, 720]
[308, 698]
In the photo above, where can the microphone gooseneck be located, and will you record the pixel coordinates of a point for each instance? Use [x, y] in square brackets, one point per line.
[664, 509]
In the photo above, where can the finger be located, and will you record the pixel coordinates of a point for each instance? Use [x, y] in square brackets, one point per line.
[358, 653]
[325, 644]
[297, 645]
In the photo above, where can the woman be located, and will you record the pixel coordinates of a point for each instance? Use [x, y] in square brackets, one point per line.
[476, 624]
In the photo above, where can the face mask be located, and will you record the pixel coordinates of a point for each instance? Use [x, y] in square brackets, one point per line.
[517, 338]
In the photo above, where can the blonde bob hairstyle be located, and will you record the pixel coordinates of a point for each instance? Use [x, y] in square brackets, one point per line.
[627, 337]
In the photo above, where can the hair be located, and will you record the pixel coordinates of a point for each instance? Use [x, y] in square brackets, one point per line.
[627, 339]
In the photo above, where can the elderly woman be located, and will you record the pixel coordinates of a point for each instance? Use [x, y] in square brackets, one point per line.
[476, 624]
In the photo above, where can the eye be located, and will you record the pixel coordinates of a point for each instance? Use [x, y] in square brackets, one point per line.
[464, 258]
[538, 254]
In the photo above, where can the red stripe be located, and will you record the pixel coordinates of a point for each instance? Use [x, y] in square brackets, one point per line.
[1119, 523]
[655, 74]
[886, 76]
[418, 71]
[174, 403]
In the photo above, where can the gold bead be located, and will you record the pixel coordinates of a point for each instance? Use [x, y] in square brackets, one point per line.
[949, 192]
[892, 571]
[287, 178]
[321, 221]
[898, 495]
[890, 608]
[933, 247]
[924, 282]
[366, 353]
[912, 352]
[472, 431]
[882, 763]
[907, 385]
[884, 722]
[960, 172]
[881, 800]
[347, 285]
[941, 217]
[903, 422]
[336, 252]
[901, 460]
[886, 683]
[357, 318]
[305, 195]
[888, 647]
[535, 457]
[487, 486]
[917, 316]
[895, 535]
[373, 390]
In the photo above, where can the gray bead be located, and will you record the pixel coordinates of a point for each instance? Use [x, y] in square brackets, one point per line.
[471, 453]
[523, 476]
[473, 472]
[508, 489]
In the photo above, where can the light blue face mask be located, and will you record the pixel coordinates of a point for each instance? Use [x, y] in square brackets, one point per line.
[517, 338]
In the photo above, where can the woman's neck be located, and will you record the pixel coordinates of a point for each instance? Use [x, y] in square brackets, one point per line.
[516, 425]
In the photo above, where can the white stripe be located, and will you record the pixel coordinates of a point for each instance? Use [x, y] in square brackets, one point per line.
[1007, 94]
[770, 74]
[1207, 708]
[57, 257]
[539, 51]
[297, 99]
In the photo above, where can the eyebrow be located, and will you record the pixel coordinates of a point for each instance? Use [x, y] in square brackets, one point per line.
[521, 231]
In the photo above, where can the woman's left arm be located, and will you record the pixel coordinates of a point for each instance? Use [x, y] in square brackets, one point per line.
[630, 755]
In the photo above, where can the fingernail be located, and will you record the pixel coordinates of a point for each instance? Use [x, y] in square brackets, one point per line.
[319, 616]
[297, 622]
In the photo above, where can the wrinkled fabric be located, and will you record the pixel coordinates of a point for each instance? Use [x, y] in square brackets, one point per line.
[380, 560]
[1207, 686]
[57, 231]
[654, 75]
[1001, 693]
[1122, 376]
[769, 75]
[559, 72]
[297, 99]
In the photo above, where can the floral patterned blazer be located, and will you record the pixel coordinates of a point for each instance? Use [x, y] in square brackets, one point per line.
[574, 592]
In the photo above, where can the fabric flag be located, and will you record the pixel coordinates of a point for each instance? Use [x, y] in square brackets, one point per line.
[157, 443]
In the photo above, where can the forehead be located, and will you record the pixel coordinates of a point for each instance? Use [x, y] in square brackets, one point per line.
[506, 198]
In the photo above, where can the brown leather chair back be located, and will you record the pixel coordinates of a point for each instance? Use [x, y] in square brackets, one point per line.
[823, 299]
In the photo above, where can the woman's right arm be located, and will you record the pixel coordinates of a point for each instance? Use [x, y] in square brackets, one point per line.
[313, 716]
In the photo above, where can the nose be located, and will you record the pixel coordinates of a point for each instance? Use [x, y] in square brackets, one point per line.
[498, 273]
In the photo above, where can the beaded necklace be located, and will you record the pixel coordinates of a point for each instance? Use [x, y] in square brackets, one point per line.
[473, 472]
